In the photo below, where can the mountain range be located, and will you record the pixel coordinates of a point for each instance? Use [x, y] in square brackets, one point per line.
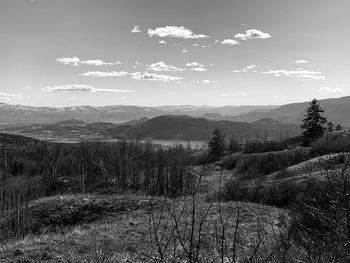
[166, 127]
[336, 110]
[17, 114]
[184, 127]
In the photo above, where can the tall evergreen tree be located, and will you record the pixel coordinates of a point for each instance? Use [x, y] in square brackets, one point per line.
[313, 123]
[217, 144]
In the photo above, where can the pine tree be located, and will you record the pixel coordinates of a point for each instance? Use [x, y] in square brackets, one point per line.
[313, 124]
[338, 127]
[330, 126]
[217, 144]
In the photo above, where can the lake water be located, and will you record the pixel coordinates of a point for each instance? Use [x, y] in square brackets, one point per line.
[193, 144]
[165, 143]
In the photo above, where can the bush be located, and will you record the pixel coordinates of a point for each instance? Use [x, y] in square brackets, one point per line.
[263, 146]
[332, 143]
[286, 194]
[229, 162]
[200, 158]
[268, 163]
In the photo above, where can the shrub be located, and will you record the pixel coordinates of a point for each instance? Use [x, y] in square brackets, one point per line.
[200, 158]
[268, 163]
[332, 143]
[229, 162]
[286, 194]
[263, 146]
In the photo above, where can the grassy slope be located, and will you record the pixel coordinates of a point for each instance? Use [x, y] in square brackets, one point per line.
[117, 227]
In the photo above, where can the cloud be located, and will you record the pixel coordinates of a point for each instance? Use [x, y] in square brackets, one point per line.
[230, 42]
[253, 34]
[154, 77]
[104, 74]
[302, 74]
[69, 61]
[203, 46]
[10, 96]
[136, 64]
[75, 61]
[330, 90]
[246, 69]
[199, 69]
[98, 62]
[162, 42]
[194, 64]
[184, 50]
[74, 88]
[136, 29]
[174, 31]
[205, 81]
[161, 66]
[302, 61]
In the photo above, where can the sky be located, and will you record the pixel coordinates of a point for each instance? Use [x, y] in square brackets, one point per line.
[166, 52]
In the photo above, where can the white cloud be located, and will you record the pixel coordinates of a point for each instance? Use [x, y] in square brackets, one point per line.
[74, 88]
[253, 34]
[199, 69]
[136, 64]
[161, 66]
[194, 64]
[97, 62]
[302, 61]
[174, 31]
[10, 96]
[302, 74]
[154, 77]
[162, 42]
[330, 90]
[251, 67]
[184, 50]
[104, 74]
[69, 61]
[75, 61]
[230, 42]
[136, 29]
[205, 81]
[196, 45]
[246, 69]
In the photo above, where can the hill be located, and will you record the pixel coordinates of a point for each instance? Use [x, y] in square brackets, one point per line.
[93, 228]
[10, 139]
[336, 110]
[190, 128]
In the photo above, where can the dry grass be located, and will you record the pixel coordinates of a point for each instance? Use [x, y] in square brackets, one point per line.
[121, 232]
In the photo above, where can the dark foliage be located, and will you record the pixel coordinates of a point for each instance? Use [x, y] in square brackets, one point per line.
[264, 146]
[217, 144]
[313, 124]
[254, 165]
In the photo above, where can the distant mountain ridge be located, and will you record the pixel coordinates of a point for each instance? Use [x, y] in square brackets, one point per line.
[337, 110]
[189, 128]
[117, 113]
[167, 127]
